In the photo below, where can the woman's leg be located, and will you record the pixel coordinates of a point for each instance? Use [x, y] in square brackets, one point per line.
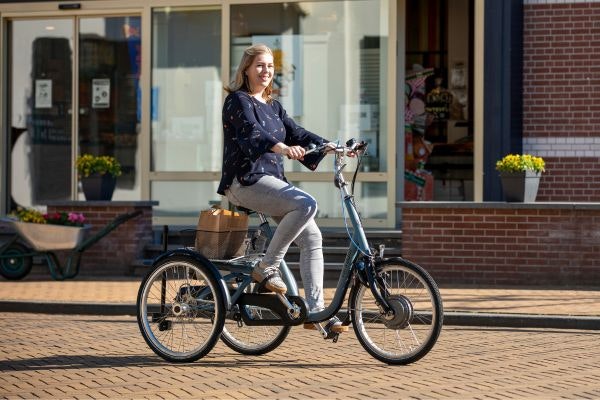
[293, 208]
[310, 243]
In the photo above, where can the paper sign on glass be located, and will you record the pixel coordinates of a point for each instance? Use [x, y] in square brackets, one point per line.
[43, 93]
[100, 93]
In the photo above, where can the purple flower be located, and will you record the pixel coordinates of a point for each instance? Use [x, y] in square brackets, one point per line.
[76, 218]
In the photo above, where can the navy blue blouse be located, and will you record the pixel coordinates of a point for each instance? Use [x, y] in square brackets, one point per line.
[250, 129]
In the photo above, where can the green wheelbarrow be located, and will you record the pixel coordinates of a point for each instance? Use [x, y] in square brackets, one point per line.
[16, 258]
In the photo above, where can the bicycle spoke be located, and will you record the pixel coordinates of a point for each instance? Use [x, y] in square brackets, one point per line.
[175, 324]
[411, 330]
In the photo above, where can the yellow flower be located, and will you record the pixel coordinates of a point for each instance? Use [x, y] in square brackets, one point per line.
[29, 215]
[88, 164]
[520, 163]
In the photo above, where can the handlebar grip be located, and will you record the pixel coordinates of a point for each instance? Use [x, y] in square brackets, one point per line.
[351, 145]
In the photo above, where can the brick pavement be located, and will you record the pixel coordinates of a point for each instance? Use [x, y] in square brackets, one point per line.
[122, 290]
[44, 356]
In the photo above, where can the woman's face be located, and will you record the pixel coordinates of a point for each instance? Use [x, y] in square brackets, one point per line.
[260, 72]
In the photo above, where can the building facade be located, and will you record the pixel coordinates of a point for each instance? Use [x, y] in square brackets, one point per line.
[561, 96]
[441, 89]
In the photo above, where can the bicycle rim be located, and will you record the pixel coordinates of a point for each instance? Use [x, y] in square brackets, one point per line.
[252, 340]
[418, 314]
[177, 312]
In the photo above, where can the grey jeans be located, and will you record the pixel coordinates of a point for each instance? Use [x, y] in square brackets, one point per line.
[294, 211]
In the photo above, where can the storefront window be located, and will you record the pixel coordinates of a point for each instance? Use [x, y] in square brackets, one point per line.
[186, 90]
[183, 199]
[331, 66]
[438, 92]
[372, 201]
[186, 101]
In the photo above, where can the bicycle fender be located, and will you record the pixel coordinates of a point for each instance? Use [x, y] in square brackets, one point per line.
[183, 252]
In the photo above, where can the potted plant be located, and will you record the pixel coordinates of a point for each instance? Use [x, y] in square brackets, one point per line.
[56, 231]
[98, 176]
[520, 175]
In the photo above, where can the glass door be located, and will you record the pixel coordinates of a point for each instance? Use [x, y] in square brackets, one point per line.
[109, 95]
[46, 56]
[40, 122]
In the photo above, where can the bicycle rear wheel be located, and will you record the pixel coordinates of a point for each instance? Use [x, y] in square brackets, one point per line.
[180, 309]
[252, 340]
[418, 313]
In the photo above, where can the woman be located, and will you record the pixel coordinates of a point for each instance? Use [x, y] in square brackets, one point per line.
[257, 135]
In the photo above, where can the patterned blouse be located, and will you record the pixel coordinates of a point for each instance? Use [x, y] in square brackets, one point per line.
[250, 129]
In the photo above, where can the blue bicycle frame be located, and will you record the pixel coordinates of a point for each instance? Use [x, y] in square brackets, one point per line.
[241, 269]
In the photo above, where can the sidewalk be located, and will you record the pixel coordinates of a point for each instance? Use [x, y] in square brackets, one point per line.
[579, 309]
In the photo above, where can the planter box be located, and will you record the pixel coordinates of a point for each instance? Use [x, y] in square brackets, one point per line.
[46, 237]
[520, 186]
[98, 187]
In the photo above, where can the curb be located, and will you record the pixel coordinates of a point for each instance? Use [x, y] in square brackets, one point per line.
[521, 320]
[44, 307]
[451, 318]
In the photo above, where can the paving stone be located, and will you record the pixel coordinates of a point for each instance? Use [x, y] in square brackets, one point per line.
[75, 356]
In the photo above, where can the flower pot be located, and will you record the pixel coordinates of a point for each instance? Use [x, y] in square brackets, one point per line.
[520, 186]
[98, 187]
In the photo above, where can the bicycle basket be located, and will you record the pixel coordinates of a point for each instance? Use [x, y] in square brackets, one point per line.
[220, 233]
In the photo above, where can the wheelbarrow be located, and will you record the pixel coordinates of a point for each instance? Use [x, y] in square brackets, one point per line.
[16, 258]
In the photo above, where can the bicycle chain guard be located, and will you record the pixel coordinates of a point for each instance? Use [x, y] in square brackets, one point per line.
[270, 302]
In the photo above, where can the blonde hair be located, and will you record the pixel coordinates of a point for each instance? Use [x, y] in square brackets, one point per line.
[240, 81]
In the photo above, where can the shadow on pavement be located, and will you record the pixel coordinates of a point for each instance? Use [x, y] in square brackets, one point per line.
[67, 362]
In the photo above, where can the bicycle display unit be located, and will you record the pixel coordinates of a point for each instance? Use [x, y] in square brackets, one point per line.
[187, 302]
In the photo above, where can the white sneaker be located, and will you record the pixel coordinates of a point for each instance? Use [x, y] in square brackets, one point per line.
[271, 278]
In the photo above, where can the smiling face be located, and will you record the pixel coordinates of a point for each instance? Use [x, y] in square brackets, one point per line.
[260, 73]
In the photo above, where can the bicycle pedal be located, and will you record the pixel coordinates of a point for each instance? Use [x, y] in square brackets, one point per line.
[336, 337]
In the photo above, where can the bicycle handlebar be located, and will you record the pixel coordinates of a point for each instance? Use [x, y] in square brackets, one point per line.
[351, 146]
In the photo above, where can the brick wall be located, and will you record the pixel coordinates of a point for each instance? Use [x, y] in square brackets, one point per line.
[115, 252]
[505, 245]
[571, 179]
[561, 100]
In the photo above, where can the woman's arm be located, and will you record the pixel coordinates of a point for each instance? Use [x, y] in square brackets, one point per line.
[297, 136]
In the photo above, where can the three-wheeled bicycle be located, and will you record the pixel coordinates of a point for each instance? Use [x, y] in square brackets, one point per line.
[186, 302]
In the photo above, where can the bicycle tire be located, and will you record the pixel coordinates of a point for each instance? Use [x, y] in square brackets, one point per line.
[14, 265]
[418, 319]
[188, 326]
[252, 340]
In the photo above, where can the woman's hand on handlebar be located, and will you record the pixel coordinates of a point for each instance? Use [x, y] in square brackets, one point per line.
[329, 147]
[291, 152]
[294, 152]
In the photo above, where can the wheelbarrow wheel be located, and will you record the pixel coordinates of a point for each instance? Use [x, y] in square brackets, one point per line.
[14, 263]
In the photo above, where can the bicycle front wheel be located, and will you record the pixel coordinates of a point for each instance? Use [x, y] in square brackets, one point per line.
[417, 322]
[180, 309]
